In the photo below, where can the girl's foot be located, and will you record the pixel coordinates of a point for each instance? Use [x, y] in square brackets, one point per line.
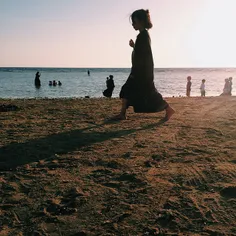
[118, 117]
[169, 112]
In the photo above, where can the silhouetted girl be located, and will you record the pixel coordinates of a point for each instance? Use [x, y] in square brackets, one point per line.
[139, 90]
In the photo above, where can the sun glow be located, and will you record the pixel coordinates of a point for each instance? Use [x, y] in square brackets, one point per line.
[212, 40]
[196, 33]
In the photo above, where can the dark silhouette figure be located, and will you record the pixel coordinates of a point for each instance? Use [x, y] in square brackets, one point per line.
[50, 83]
[188, 87]
[110, 87]
[54, 83]
[88, 73]
[227, 88]
[37, 81]
[59, 83]
[230, 85]
[139, 90]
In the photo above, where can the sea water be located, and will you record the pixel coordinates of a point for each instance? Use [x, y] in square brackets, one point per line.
[19, 82]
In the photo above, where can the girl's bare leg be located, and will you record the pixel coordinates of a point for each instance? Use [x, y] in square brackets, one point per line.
[169, 112]
[122, 114]
[123, 107]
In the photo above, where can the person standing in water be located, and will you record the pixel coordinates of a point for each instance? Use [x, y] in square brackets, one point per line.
[188, 87]
[139, 90]
[88, 73]
[37, 81]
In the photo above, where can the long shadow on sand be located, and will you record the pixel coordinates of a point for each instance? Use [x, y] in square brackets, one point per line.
[17, 154]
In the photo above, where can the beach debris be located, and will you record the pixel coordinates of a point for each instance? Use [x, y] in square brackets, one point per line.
[9, 107]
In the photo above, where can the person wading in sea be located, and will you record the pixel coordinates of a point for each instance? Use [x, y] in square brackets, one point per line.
[37, 81]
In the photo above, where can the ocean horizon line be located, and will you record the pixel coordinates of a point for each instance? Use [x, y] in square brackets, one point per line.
[90, 68]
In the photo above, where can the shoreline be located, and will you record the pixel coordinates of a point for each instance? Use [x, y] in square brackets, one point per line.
[114, 98]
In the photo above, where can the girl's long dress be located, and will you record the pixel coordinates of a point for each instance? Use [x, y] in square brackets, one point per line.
[139, 89]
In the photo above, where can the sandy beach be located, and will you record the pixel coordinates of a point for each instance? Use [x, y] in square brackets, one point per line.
[64, 170]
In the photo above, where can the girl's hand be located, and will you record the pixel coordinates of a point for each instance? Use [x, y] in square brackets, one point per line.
[131, 43]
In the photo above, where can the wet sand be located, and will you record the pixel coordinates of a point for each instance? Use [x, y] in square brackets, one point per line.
[65, 171]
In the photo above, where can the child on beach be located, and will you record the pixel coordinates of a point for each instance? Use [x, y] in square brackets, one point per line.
[202, 88]
[188, 87]
[139, 90]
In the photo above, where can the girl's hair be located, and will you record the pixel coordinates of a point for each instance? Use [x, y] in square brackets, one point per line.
[143, 16]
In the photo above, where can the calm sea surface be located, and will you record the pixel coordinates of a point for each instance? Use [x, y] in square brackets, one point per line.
[19, 82]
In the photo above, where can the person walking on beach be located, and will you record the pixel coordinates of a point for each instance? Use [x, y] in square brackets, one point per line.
[202, 88]
[110, 87]
[139, 90]
[227, 88]
[230, 85]
[37, 81]
[188, 87]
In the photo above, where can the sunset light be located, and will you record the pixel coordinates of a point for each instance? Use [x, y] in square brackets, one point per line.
[84, 33]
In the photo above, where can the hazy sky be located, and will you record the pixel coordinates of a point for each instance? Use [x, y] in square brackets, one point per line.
[95, 33]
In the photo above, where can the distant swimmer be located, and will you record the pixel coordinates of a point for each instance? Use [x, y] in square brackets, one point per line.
[37, 81]
[88, 73]
[54, 83]
[59, 83]
[50, 83]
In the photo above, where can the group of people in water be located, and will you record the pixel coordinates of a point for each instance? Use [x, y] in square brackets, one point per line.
[37, 81]
[227, 91]
[54, 83]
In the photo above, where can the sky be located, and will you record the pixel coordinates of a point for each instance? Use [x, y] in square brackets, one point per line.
[96, 33]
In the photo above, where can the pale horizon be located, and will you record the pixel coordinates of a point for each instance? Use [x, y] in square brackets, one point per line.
[82, 34]
[90, 68]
